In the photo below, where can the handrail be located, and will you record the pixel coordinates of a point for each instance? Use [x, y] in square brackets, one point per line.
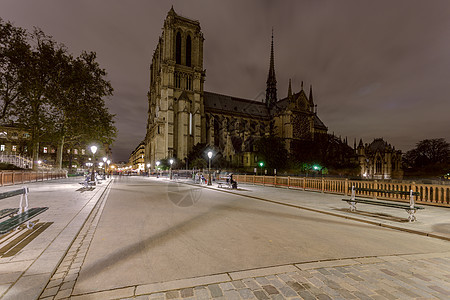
[433, 194]
[20, 177]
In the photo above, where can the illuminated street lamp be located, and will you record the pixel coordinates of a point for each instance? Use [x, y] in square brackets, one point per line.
[93, 150]
[261, 164]
[157, 168]
[170, 171]
[148, 169]
[209, 167]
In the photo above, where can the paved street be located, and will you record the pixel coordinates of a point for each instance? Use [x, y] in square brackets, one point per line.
[150, 238]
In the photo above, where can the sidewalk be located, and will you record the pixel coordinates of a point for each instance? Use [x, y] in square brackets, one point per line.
[432, 221]
[47, 267]
[28, 258]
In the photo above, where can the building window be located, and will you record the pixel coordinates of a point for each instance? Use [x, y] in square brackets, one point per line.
[178, 48]
[75, 151]
[15, 135]
[177, 80]
[53, 150]
[3, 134]
[26, 135]
[378, 167]
[68, 151]
[14, 148]
[45, 149]
[188, 50]
[83, 151]
[2, 147]
[190, 123]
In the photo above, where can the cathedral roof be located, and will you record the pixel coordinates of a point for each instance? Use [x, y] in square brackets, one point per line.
[233, 105]
[379, 145]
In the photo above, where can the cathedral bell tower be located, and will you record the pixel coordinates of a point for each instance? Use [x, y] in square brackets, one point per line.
[176, 107]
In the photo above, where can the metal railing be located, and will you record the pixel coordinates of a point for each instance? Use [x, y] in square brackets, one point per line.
[19, 177]
[433, 194]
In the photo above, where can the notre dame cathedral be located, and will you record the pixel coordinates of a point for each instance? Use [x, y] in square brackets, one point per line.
[181, 114]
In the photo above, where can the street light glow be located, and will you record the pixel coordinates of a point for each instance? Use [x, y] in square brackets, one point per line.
[93, 149]
[171, 161]
[210, 154]
[104, 159]
[148, 166]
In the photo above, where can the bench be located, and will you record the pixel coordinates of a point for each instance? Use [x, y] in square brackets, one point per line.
[220, 184]
[227, 183]
[410, 209]
[87, 182]
[20, 215]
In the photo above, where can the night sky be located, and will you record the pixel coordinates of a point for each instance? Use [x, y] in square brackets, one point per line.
[378, 68]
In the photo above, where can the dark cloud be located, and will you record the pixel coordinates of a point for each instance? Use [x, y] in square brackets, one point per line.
[378, 68]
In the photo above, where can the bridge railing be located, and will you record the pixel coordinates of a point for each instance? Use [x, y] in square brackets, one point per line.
[434, 194]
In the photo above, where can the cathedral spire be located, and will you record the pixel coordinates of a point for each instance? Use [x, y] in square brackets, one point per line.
[271, 84]
[289, 90]
[311, 100]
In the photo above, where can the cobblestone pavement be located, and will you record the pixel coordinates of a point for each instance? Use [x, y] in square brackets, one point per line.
[411, 276]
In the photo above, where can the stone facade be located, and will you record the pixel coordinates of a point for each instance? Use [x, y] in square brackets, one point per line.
[136, 160]
[379, 160]
[181, 114]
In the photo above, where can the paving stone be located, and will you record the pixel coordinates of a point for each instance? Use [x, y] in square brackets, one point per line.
[50, 292]
[323, 297]
[277, 283]
[277, 297]
[231, 295]
[172, 294]
[288, 292]
[262, 281]
[385, 294]
[215, 290]
[202, 293]
[270, 289]
[226, 286]
[306, 295]
[53, 283]
[440, 290]
[295, 286]
[251, 284]
[246, 293]
[157, 296]
[284, 277]
[362, 296]
[260, 295]
[63, 294]
[67, 285]
[238, 284]
[185, 293]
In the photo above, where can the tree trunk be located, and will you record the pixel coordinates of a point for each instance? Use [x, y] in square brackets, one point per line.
[59, 153]
[35, 155]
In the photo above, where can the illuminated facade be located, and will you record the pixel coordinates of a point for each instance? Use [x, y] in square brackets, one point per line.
[181, 114]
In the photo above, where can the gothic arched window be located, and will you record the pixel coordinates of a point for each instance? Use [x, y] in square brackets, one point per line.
[178, 48]
[188, 50]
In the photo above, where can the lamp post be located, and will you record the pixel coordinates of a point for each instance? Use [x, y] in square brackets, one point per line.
[93, 150]
[104, 170]
[261, 164]
[209, 167]
[157, 168]
[170, 171]
[108, 162]
[148, 169]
